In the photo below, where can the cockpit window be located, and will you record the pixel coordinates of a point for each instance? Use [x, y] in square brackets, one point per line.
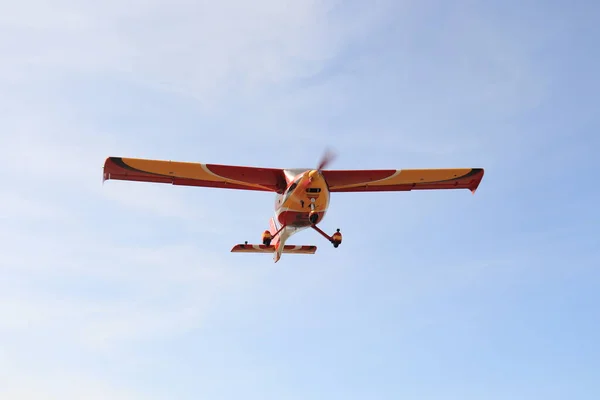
[291, 189]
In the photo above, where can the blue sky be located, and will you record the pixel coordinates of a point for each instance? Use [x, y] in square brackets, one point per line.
[128, 290]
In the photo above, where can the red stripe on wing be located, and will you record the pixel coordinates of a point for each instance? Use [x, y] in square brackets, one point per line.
[349, 177]
[271, 177]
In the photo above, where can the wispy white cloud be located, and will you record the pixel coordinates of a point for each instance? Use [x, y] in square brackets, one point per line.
[202, 48]
[29, 378]
[65, 273]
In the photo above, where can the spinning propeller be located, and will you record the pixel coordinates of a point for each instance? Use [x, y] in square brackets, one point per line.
[326, 159]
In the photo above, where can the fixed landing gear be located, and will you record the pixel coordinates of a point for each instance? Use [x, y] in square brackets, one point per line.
[266, 238]
[335, 239]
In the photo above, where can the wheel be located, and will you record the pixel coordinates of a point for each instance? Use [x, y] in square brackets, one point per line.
[266, 238]
[336, 239]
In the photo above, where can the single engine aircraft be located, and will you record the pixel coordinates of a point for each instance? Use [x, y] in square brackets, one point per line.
[302, 196]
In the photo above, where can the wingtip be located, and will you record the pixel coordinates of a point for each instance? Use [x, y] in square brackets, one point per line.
[480, 172]
[104, 174]
[109, 165]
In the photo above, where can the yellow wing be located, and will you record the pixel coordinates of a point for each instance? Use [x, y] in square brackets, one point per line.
[195, 174]
[403, 179]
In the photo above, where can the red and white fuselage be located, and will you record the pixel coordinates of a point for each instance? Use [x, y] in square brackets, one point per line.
[303, 204]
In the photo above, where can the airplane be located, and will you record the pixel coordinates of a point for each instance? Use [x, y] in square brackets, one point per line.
[302, 196]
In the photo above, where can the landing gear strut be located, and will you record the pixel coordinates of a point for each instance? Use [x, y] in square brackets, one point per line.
[335, 239]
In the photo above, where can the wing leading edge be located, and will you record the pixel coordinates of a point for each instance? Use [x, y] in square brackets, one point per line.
[403, 180]
[194, 174]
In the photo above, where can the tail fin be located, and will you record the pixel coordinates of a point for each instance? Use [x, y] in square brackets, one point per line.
[273, 228]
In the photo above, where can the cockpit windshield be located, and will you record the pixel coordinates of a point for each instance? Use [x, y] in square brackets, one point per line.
[291, 188]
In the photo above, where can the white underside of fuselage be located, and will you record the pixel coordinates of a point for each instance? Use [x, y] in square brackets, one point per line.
[284, 235]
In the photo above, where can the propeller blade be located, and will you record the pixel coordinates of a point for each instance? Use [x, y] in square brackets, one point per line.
[327, 158]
